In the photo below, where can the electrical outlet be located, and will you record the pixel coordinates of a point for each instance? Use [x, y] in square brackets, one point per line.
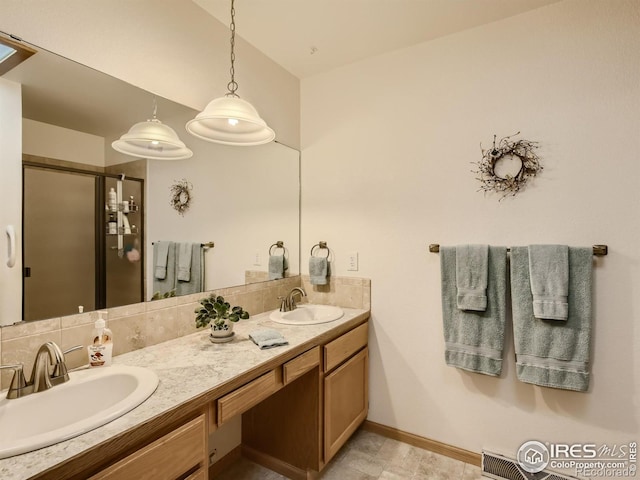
[257, 259]
[352, 260]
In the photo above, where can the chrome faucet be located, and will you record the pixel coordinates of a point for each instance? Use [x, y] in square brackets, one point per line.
[42, 377]
[289, 302]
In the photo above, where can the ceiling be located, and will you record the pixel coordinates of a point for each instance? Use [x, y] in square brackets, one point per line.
[308, 37]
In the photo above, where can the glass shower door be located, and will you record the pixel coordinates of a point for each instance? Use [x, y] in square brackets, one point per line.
[59, 242]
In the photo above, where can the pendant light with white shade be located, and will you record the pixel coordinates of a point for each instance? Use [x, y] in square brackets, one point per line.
[229, 120]
[152, 139]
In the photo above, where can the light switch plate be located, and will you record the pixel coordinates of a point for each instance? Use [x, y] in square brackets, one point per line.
[352, 260]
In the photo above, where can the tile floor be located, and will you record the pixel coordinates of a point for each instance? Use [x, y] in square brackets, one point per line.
[368, 456]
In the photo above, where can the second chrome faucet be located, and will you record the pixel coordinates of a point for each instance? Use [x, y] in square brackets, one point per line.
[289, 302]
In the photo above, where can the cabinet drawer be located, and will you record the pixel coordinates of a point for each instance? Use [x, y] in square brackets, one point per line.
[201, 474]
[167, 458]
[343, 347]
[300, 365]
[247, 396]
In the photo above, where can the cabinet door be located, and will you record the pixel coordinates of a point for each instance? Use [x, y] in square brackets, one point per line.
[346, 401]
[167, 458]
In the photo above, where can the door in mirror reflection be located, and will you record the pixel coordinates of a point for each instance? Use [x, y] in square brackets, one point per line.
[68, 249]
[59, 243]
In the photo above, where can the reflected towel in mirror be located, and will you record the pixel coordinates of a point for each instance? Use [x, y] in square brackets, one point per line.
[168, 282]
[278, 264]
[184, 261]
[160, 259]
[195, 284]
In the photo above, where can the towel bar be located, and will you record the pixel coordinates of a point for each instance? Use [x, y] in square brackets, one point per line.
[278, 244]
[203, 245]
[598, 250]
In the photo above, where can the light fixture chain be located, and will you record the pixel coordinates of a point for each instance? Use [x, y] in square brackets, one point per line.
[233, 85]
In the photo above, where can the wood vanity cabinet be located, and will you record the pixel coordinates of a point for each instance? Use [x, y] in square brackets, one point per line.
[346, 388]
[322, 401]
[181, 454]
[297, 411]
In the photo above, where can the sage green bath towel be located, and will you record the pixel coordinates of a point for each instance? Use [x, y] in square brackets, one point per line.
[164, 261]
[551, 353]
[474, 340]
[549, 275]
[472, 266]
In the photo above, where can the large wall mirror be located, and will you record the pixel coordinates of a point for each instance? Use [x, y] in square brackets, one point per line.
[242, 200]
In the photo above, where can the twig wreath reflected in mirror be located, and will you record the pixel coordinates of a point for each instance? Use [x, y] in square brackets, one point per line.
[506, 167]
[181, 196]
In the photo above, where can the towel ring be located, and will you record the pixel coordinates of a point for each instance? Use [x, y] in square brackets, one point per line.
[277, 245]
[321, 246]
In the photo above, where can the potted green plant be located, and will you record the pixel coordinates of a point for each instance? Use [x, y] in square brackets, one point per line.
[216, 311]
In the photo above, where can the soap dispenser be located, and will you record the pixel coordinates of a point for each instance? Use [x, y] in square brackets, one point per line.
[100, 349]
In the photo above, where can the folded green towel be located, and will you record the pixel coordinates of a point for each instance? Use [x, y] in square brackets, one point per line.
[196, 275]
[164, 261]
[551, 353]
[267, 338]
[472, 265]
[549, 275]
[474, 340]
[183, 254]
[318, 270]
[278, 264]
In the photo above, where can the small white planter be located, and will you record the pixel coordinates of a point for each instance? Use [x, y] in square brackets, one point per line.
[224, 330]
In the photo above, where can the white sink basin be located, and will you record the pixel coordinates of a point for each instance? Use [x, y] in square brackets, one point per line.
[88, 400]
[307, 314]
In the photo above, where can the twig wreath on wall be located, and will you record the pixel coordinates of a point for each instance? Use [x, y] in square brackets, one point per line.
[519, 152]
[181, 196]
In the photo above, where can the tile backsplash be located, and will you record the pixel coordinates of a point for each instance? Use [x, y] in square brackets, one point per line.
[143, 324]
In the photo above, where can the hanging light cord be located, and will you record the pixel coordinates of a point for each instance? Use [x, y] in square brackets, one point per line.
[233, 85]
[155, 111]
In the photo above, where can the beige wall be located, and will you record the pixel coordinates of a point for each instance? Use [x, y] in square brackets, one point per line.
[170, 47]
[51, 141]
[393, 139]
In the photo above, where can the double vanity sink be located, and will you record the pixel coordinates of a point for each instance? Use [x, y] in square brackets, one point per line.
[90, 399]
[94, 397]
[307, 314]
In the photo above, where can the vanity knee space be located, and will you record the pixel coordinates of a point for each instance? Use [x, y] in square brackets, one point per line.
[323, 400]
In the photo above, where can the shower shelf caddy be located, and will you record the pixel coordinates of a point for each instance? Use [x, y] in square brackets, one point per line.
[122, 224]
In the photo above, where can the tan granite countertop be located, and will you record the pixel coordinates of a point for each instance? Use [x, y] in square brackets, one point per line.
[187, 367]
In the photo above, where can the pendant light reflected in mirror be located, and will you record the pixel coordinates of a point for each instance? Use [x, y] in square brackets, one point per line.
[229, 120]
[152, 139]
